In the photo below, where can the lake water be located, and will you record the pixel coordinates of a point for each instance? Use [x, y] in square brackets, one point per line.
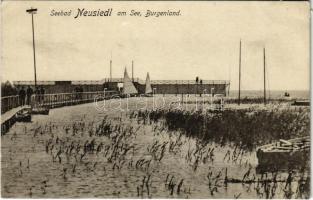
[302, 94]
[32, 168]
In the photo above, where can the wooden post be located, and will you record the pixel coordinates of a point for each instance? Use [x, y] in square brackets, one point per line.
[34, 51]
[239, 72]
[132, 70]
[264, 77]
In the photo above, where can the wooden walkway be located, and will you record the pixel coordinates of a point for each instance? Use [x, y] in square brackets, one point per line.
[9, 114]
[8, 118]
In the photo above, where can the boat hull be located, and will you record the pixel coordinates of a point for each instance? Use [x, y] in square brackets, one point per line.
[40, 111]
[301, 103]
[282, 161]
[291, 154]
[272, 158]
[24, 118]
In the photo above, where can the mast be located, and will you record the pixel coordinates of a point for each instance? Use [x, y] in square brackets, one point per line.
[228, 84]
[239, 72]
[111, 68]
[34, 50]
[33, 11]
[264, 72]
[132, 70]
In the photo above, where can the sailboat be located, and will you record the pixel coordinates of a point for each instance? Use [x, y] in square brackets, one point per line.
[128, 86]
[148, 91]
[286, 94]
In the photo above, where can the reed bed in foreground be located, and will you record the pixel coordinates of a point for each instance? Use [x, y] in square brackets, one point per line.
[246, 128]
[144, 156]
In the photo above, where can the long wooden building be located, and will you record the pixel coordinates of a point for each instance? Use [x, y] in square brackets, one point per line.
[220, 87]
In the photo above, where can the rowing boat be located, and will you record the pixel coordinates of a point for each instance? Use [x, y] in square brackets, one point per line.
[287, 153]
[40, 110]
[301, 103]
[23, 116]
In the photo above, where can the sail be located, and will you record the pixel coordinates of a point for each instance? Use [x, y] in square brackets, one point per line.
[148, 85]
[128, 86]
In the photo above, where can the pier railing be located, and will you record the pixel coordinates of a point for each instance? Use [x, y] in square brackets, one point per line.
[65, 99]
[54, 100]
[9, 102]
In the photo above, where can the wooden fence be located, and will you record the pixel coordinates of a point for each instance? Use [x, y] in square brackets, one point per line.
[54, 100]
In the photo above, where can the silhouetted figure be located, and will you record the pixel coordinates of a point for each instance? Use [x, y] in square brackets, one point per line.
[200, 86]
[197, 81]
[22, 95]
[42, 93]
[29, 93]
[37, 93]
[289, 179]
[76, 90]
[222, 104]
[81, 92]
[287, 94]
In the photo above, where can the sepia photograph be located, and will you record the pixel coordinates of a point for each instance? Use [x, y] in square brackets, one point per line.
[161, 99]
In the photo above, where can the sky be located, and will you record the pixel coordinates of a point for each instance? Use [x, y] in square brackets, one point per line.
[203, 41]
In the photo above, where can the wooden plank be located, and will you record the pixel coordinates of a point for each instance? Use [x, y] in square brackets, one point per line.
[9, 114]
[285, 142]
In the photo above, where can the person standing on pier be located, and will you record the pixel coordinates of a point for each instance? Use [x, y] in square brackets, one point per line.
[29, 93]
[76, 90]
[22, 95]
[80, 90]
[37, 95]
[42, 93]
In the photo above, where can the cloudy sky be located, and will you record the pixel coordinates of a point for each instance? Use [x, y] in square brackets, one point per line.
[203, 41]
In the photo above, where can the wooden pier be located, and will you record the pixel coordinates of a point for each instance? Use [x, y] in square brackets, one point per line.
[8, 116]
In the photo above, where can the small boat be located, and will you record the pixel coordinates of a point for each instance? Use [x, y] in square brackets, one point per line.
[146, 95]
[284, 153]
[40, 110]
[301, 103]
[23, 116]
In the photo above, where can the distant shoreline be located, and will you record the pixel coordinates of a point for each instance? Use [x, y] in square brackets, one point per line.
[271, 93]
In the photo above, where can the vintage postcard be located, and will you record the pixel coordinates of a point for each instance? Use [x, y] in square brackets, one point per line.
[162, 99]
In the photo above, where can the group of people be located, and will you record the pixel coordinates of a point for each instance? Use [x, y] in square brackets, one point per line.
[26, 94]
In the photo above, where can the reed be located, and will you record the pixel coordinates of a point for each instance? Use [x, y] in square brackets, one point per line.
[246, 128]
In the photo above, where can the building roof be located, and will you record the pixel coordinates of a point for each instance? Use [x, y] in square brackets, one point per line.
[155, 82]
[33, 83]
[85, 82]
[121, 80]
